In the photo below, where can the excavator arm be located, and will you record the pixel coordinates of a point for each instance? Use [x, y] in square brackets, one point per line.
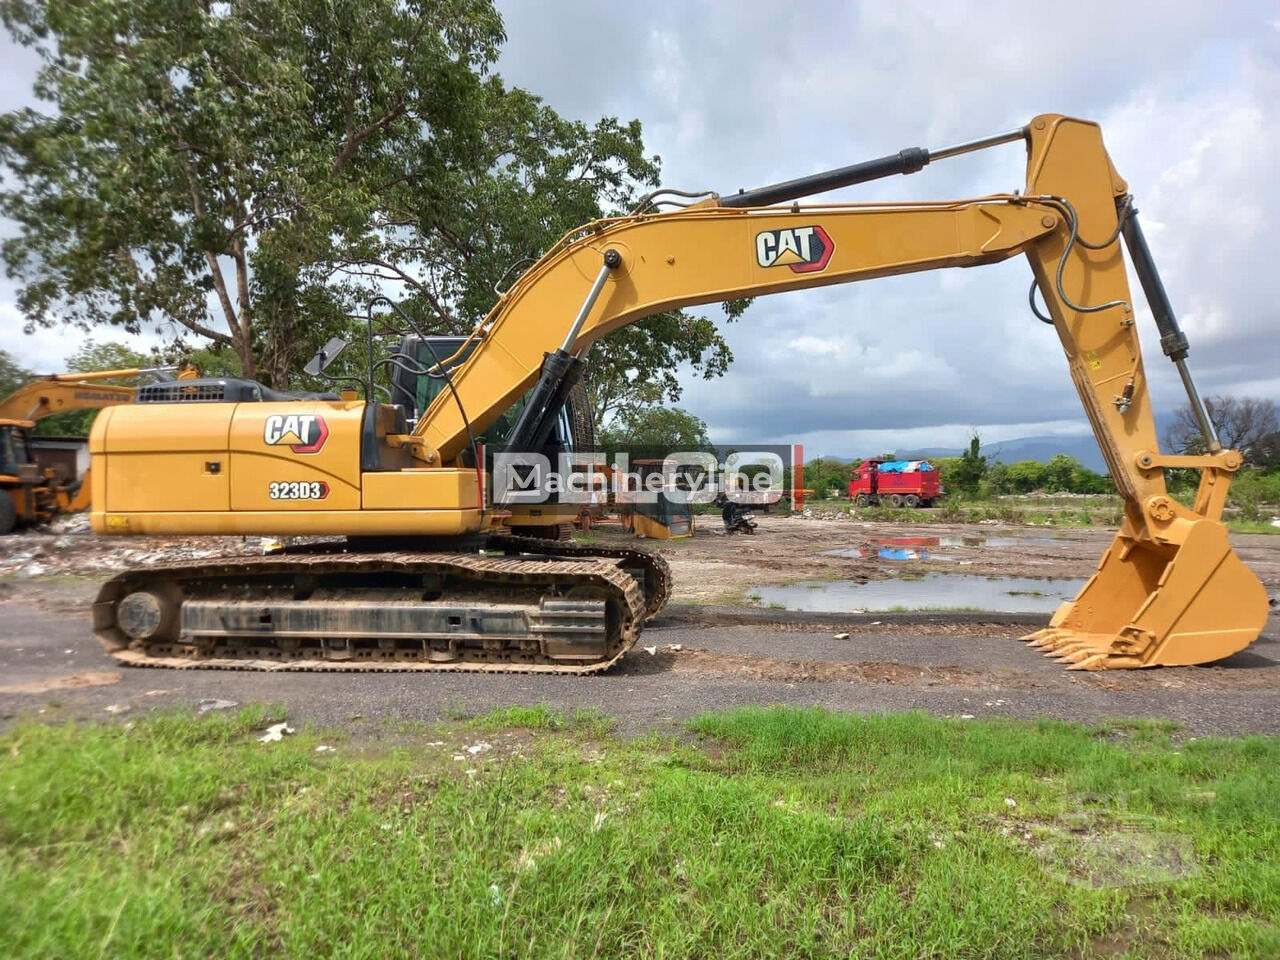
[1170, 589]
[721, 250]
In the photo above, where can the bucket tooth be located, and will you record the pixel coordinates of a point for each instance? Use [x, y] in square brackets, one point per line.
[1039, 638]
[1097, 661]
[1059, 640]
[1077, 654]
[1183, 599]
[1047, 639]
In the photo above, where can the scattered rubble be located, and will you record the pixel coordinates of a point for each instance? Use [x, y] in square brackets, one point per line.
[72, 550]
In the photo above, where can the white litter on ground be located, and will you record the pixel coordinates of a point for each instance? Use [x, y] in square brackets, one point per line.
[276, 732]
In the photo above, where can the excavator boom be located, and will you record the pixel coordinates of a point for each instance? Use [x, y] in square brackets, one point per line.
[60, 392]
[1169, 590]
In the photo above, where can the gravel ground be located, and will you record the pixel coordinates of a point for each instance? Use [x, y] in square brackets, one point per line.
[711, 648]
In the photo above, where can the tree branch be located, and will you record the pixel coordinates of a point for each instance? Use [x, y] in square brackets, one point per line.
[355, 139]
[216, 335]
[211, 258]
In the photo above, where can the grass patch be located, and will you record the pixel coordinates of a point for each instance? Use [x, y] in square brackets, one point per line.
[1252, 526]
[526, 832]
[588, 720]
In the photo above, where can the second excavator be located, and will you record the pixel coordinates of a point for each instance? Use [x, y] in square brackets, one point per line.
[430, 575]
[28, 494]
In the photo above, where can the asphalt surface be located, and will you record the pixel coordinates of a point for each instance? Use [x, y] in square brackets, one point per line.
[51, 667]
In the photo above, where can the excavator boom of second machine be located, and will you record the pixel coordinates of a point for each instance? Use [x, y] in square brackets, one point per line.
[1170, 590]
[33, 497]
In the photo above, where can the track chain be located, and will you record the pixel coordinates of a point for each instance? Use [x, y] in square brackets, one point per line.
[657, 579]
[482, 571]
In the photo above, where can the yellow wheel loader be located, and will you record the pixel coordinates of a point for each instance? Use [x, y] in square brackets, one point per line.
[430, 576]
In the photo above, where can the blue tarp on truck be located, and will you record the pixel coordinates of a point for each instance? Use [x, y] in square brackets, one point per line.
[905, 466]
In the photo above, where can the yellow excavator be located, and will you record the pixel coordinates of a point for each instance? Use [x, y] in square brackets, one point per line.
[430, 577]
[28, 494]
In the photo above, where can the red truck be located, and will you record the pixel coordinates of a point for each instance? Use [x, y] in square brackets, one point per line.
[897, 483]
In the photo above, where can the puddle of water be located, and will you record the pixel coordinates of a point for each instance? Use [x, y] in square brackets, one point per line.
[907, 542]
[917, 548]
[886, 553]
[933, 590]
[982, 540]
[1035, 541]
[904, 553]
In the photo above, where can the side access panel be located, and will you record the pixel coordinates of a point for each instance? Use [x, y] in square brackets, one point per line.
[162, 460]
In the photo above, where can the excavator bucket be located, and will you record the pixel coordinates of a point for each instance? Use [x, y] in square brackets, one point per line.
[1184, 598]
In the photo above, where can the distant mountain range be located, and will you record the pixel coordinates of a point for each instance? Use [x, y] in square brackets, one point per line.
[1085, 449]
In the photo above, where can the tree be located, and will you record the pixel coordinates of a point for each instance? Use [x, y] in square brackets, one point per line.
[202, 159]
[252, 173]
[1266, 452]
[825, 474]
[1242, 424]
[12, 374]
[1024, 476]
[635, 368]
[666, 428]
[90, 356]
[1084, 480]
[965, 473]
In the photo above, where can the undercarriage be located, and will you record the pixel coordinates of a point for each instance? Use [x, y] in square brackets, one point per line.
[521, 605]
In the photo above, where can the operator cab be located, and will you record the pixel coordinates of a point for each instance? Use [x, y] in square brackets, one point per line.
[416, 391]
[15, 447]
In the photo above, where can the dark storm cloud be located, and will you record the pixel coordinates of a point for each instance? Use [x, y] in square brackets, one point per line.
[736, 94]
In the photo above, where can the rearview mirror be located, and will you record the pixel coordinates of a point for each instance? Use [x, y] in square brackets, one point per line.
[324, 356]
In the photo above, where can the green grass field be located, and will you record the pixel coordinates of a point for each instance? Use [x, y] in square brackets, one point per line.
[762, 833]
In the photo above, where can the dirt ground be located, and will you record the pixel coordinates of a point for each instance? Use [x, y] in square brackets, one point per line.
[713, 647]
[713, 568]
[708, 568]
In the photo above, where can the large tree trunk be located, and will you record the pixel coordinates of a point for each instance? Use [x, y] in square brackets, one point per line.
[281, 346]
[242, 342]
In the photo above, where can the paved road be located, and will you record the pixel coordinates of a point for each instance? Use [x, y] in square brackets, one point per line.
[727, 658]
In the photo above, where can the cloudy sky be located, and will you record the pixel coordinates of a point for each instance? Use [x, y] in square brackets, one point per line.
[739, 93]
